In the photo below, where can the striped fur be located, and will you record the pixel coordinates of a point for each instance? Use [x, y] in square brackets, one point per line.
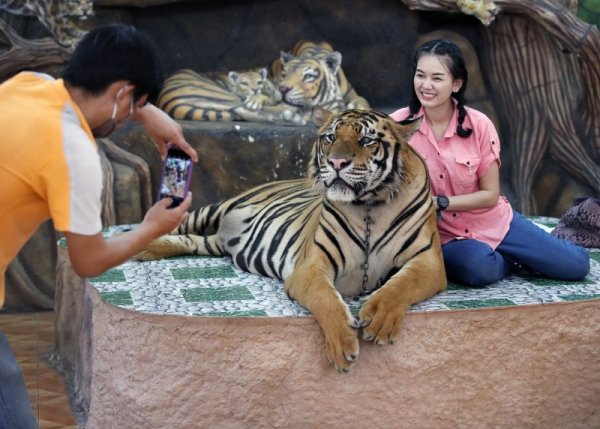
[191, 96]
[309, 75]
[311, 232]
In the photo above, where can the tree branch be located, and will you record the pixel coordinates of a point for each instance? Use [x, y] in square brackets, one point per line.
[25, 54]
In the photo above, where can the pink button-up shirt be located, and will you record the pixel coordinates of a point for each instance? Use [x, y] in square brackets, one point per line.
[455, 166]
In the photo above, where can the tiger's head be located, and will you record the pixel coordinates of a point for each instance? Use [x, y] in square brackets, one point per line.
[359, 156]
[248, 83]
[310, 81]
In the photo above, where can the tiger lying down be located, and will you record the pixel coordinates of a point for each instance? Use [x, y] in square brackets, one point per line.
[362, 223]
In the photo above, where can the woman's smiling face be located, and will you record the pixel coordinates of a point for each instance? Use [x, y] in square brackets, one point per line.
[434, 84]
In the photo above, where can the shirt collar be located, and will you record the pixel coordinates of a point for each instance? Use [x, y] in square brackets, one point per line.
[450, 131]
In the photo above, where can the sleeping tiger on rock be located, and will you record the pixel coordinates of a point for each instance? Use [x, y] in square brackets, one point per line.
[361, 224]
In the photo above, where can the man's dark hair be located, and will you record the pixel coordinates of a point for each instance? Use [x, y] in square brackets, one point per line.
[114, 52]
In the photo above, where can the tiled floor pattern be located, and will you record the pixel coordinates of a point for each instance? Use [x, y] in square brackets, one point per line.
[210, 286]
[31, 337]
[214, 287]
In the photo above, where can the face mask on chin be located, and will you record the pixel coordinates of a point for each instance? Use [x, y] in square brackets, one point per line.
[111, 125]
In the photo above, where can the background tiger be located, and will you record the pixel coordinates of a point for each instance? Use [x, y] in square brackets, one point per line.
[309, 75]
[216, 96]
[361, 223]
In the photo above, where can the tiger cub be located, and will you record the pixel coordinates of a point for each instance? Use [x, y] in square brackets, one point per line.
[254, 88]
[361, 224]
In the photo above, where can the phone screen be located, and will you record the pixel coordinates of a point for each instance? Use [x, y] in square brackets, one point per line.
[176, 176]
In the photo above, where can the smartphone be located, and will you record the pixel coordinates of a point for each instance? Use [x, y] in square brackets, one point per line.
[176, 177]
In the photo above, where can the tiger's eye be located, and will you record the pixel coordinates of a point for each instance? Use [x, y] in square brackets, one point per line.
[367, 141]
[328, 138]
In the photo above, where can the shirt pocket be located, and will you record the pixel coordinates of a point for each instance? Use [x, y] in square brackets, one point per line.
[465, 173]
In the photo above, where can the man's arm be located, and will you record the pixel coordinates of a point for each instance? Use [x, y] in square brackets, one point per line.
[92, 255]
[163, 130]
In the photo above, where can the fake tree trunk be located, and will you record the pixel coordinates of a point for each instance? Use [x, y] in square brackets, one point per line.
[544, 63]
[24, 54]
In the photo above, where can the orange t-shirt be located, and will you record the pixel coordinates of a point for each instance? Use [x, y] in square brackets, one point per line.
[49, 164]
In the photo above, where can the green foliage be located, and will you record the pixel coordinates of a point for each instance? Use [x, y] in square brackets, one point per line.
[589, 11]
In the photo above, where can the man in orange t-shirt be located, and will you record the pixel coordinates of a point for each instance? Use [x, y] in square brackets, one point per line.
[50, 167]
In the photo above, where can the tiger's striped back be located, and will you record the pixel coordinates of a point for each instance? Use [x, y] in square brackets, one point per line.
[273, 214]
[191, 96]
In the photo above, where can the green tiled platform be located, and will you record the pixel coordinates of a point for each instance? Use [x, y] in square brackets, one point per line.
[208, 286]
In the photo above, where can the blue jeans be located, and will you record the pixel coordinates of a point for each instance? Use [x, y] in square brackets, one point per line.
[15, 407]
[474, 263]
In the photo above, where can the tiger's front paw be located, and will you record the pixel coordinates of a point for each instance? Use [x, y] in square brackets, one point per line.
[255, 102]
[381, 318]
[159, 248]
[341, 342]
[146, 255]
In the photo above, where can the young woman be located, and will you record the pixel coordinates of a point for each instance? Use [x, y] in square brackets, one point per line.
[483, 238]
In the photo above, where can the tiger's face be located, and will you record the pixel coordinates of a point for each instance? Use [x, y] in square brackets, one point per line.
[309, 82]
[358, 156]
[249, 83]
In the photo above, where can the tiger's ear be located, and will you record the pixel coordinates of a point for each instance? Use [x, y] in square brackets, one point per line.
[334, 61]
[408, 127]
[263, 73]
[320, 116]
[285, 57]
[233, 77]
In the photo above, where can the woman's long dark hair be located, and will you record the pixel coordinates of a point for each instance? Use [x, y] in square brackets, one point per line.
[452, 56]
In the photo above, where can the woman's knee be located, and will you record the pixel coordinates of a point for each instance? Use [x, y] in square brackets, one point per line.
[474, 266]
[476, 275]
[578, 265]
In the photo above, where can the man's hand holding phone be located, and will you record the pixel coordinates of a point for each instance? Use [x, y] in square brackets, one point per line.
[161, 219]
[174, 196]
[176, 176]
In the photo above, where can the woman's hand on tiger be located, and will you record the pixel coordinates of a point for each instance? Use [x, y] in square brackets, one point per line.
[164, 131]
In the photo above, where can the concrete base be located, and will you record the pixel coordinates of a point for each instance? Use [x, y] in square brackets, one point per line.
[526, 366]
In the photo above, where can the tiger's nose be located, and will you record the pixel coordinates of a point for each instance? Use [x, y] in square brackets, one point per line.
[338, 163]
[283, 89]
